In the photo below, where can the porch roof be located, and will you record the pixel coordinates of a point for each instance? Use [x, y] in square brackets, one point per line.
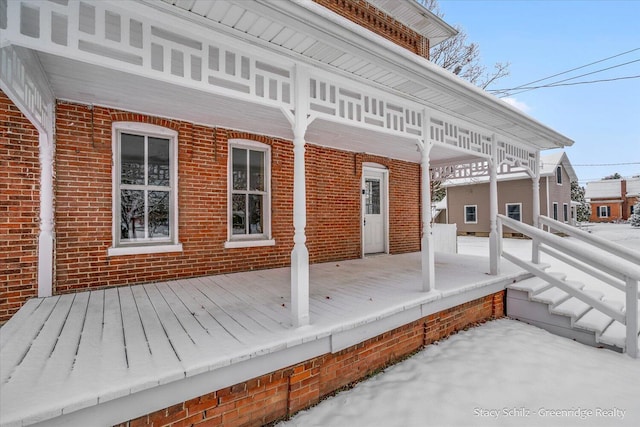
[233, 63]
[107, 356]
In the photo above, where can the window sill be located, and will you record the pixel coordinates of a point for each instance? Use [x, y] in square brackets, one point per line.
[137, 250]
[233, 244]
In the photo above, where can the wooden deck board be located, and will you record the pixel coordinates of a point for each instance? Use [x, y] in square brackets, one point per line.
[75, 351]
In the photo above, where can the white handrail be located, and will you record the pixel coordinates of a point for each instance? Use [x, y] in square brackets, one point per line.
[624, 267]
[604, 244]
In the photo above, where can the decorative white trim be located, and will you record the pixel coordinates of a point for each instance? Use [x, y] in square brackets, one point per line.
[233, 244]
[138, 250]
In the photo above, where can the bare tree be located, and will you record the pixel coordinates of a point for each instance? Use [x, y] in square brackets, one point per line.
[461, 57]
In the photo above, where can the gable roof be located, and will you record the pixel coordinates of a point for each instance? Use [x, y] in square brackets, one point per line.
[550, 162]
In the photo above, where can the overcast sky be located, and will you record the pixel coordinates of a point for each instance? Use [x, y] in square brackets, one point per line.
[541, 38]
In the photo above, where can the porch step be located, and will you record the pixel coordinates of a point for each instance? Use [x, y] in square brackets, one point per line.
[593, 320]
[551, 296]
[573, 307]
[615, 334]
[535, 284]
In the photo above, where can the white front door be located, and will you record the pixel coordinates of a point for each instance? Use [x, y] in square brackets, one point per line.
[374, 211]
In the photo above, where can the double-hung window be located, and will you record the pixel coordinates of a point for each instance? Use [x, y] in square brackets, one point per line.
[514, 211]
[555, 210]
[144, 189]
[249, 194]
[604, 211]
[470, 214]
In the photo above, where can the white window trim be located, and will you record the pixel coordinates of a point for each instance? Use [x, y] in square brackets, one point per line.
[135, 248]
[556, 211]
[565, 212]
[465, 214]
[257, 240]
[506, 210]
[606, 211]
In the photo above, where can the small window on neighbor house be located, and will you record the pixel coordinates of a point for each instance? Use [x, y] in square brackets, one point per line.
[144, 190]
[555, 211]
[471, 214]
[514, 211]
[604, 211]
[559, 175]
[249, 194]
[565, 212]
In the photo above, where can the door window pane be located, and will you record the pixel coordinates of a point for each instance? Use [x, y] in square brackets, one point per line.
[131, 159]
[372, 196]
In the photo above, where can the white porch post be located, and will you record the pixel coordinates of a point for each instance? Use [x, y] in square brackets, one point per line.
[24, 81]
[494, 255]
[426, 243]
[45, 239]
[535, 244]
[300, 254]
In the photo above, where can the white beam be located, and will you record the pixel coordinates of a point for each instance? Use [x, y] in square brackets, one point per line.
[300, 253]
[494, 264]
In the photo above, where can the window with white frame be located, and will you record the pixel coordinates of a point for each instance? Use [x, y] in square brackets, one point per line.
[144, 189]
[604, 211]
[471, 214]
[559, 175]
[555, 210]
[514, 211]
[249, 194]
[565, 212]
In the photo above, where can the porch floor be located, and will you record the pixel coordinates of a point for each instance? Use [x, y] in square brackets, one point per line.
[64, 353]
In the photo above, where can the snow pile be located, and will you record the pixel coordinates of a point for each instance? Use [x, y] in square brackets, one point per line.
[502, 373]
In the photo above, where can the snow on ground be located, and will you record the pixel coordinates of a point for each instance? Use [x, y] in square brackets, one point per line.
[503, 373]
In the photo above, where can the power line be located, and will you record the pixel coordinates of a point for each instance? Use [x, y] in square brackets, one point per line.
[571, 84]
[606, 164]
[565, 72]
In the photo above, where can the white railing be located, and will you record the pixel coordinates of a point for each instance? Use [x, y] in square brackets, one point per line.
[624, 269]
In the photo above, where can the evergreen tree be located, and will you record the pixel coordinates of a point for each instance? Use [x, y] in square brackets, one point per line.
[634, 219]
[583, 213]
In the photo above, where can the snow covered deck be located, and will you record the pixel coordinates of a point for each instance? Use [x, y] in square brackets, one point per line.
[107, 356]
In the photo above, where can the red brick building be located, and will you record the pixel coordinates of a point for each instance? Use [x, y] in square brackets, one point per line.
[612, 200]
[152, 141]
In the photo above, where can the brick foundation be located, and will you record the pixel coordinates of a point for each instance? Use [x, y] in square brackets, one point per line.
[280, 394]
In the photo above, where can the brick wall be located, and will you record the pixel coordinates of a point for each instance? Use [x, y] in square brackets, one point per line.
[282, 393]
[84, 204]
[19, 208]
[373, 19]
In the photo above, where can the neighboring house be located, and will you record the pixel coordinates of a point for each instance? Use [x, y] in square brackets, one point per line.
[612, 199]
[468, 198]
[150, 141]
